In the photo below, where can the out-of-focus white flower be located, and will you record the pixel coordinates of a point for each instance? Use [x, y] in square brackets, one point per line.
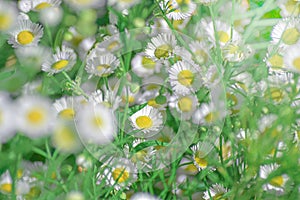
[79, 5]
[208, 114]
[37, 5]
[291, 58]
[7, 128]
[202, 155]
[289, 8]
[8, 15]
[95, 123]
[51, 16]
[183, 106]
[33, 57]
[75, 195]
[35, 116]
[143, 196]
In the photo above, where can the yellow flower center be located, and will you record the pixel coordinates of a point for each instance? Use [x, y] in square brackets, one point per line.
[98, 121]
[276, 94]
[130, 99]
[218, 196]
[144, 122]
[184, 5]
[191, 168]
[6, 187]
[296, 63]
[163, 51]
[290, 36]
[148, 63]
[153, 103]
[64, 138]
[42, 6]
[113, 45]
[232, 98]
[60, 64]
[67, 113]
[200, 56]
[5, 21]
[33, 193]
[201, 162]
[276, 61]
[292, 7]
[25, 37]
[210, 117]
[139, 156]
[185, 104]
[19, 173]
[223, 36]
[120, 175]
[102, 67]
[185, 77]
[277, 181]
[36, 116]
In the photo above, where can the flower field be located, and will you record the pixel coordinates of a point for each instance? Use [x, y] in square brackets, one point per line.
[149, 99]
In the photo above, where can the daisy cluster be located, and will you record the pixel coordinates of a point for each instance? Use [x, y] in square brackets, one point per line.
[149, 99]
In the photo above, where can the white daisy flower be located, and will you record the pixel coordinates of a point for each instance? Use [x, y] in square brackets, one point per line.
[289, 8]
[65, 108]
[216, 191]
[224, 33]
[129, 96]
[183, 106]
[208, 114]
[286, 32]
[291, 58]
[180, 53]
[200, 51]
[79, 5]
[178, 9]
[236, 51]
[119, 172]
[26, 33]
[33, 57]
[109, 98]
[102, 65]
[111, 43]
[148, 120]
[181, 24]
[143, 196]
[276, 183]
[6, 185]
[212, 76]
[274, 59]
[140, 158]
[65, 138]
[35, 115]
[7, 128]
[187, 167]
[201, 155]
[161, 47]
[95, 123]
[51, 16]
[184, 77]
[37, 5]
[8, 16]
[144, 66]
[63, 60]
